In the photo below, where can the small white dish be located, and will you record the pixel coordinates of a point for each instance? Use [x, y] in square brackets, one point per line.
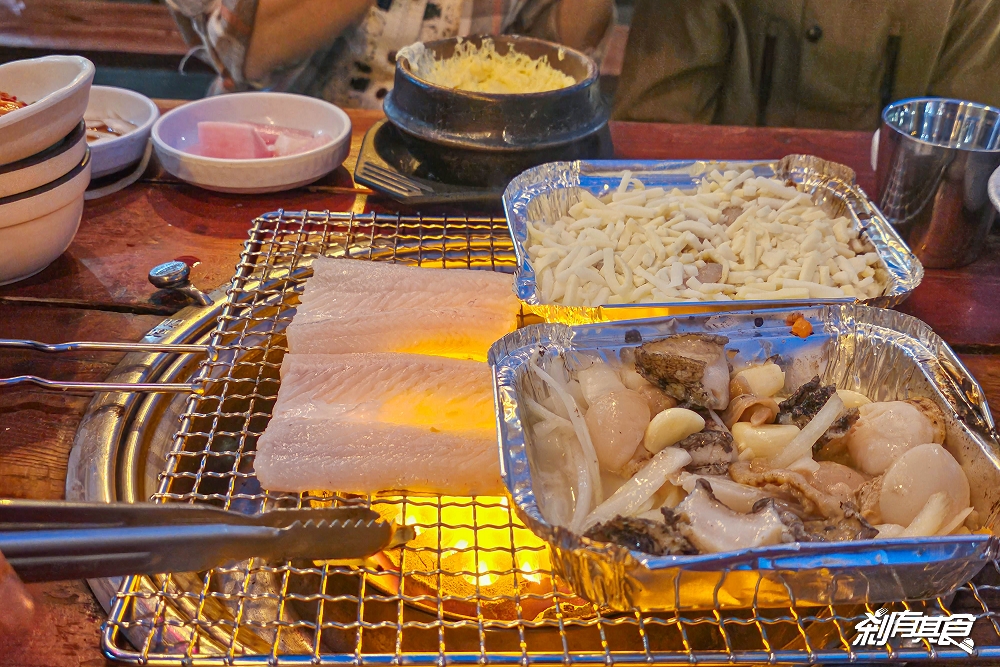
[56, 89]
[42, 168]
[37, 226]
[994, 189]
[178, 129]
[115, 153]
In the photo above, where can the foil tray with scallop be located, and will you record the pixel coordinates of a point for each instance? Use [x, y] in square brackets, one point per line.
[882, 354]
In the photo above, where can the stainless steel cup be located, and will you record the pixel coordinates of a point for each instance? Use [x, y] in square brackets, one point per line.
[935, 157]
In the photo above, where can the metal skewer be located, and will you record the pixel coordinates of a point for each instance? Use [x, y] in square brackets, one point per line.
[154, 387]
[172, 275]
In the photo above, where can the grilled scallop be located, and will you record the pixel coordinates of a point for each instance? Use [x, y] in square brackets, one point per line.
[885, 431]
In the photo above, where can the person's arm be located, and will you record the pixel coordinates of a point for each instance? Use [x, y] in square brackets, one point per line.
[967, 67]
[288, 31]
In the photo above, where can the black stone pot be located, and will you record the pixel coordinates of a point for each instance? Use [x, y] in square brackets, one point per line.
[488, 139]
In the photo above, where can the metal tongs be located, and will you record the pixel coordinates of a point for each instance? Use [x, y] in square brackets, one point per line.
[49, 541]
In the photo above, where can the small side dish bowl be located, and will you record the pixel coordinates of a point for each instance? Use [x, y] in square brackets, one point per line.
[38, 225]
[56, 89]
[176, 133]
[54, 162]
[112, 154]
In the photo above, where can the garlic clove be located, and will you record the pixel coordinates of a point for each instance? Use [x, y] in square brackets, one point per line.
[670, 427]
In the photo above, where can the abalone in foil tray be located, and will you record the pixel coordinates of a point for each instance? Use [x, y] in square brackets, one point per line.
[838, 454]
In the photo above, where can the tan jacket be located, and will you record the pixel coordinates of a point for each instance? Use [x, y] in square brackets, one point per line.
[804, 63]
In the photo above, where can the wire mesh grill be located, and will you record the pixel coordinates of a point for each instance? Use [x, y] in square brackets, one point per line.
[475, 587]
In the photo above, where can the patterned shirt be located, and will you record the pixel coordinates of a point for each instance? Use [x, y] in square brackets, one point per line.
[357, 69]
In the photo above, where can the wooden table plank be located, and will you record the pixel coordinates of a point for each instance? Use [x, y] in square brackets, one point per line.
[37, 426]
[986, 369]
[961, 304]
[66, 631]
[85, 26]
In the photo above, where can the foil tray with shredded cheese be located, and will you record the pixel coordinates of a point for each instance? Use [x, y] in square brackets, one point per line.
[548, 191]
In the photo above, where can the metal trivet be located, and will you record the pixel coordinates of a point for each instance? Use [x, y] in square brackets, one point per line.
[364, 613]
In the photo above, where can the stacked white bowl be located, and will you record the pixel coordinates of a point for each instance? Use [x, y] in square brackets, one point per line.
[44, 162]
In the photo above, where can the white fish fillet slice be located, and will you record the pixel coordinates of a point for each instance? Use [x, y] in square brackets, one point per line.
[361, 423]
[310, 454]
[320, 306]
[453, 285]
[452, 332]
[359, 306]
[360, 386]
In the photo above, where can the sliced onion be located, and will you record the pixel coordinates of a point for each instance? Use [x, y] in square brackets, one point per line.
[931, 518]
[955, 523]
[889, 530]
[758, 410]
[718, 421]
[589, 484]
[544, 413]
[801, 445]
[631, 498]
[544, 427]
[763, 414]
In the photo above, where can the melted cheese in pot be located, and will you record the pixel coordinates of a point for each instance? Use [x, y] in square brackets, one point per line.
[483, 70]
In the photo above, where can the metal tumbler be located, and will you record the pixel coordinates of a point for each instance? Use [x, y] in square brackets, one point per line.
[935, 157]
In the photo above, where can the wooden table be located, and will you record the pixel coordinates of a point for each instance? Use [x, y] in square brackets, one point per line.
[98, 291]
[109, 33]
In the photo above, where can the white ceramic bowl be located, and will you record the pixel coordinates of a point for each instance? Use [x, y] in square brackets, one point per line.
[56, 88]
[37, 226]
[111, 155]
[178, 129]
[41, 168]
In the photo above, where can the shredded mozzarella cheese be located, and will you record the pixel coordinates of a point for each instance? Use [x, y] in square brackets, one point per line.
[483, 70]
[735, 236]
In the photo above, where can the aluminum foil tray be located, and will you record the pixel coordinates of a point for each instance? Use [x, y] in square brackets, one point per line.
[547, 192]
[881, 353]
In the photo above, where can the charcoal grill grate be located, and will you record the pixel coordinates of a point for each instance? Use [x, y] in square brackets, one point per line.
[339, 613]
